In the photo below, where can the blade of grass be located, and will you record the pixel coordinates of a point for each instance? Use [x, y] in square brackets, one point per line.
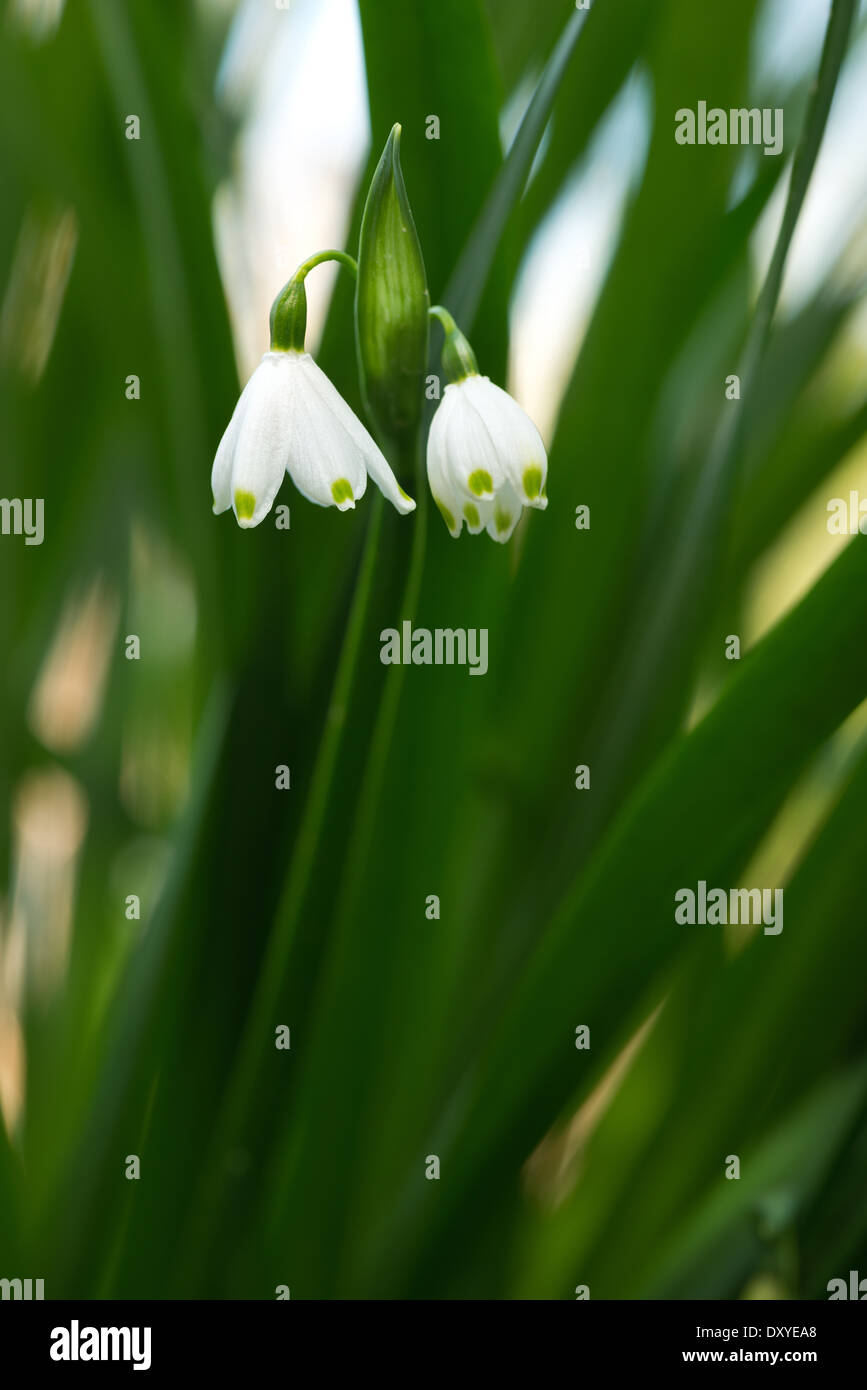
[717, 1021]
[698, 815]
[467, 281]
[670, 617]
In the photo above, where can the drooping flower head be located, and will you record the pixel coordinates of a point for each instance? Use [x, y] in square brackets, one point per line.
[290, 418]
[485, 457]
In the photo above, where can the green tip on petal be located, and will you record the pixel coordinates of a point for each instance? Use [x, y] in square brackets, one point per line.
[405, 495]
[245, 505]
[472, 514]
[480, 482]
[533, 482]
[446, 515]
[502, 521]
[341, 491]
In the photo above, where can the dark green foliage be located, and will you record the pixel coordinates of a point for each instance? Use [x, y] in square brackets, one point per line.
[454, 1036]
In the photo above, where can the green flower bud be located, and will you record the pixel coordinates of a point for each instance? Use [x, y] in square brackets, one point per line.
[289, 317]
[391, 302]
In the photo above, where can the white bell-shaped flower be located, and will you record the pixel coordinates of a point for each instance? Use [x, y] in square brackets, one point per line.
[290, 418]
[485, 457]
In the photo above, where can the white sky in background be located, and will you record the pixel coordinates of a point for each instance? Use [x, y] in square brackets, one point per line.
[297, 75]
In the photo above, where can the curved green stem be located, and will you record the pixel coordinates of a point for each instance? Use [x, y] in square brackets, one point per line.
[438, 311]
[289, 310]
[321, 256]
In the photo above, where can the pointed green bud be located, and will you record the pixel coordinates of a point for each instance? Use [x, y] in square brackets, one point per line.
[458, 358]
[391, 302]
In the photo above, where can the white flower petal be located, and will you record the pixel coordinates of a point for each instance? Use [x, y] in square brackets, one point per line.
[373, 460]
[475, 469]
[514, 438]
[449, 503]
[325, 463]
[263, 439]
[382, 475]
[221, 473]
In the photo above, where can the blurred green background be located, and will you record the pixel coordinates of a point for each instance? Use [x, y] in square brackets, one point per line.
[610, 277]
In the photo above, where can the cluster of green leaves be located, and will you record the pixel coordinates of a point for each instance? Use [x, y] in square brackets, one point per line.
[452, 1037]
